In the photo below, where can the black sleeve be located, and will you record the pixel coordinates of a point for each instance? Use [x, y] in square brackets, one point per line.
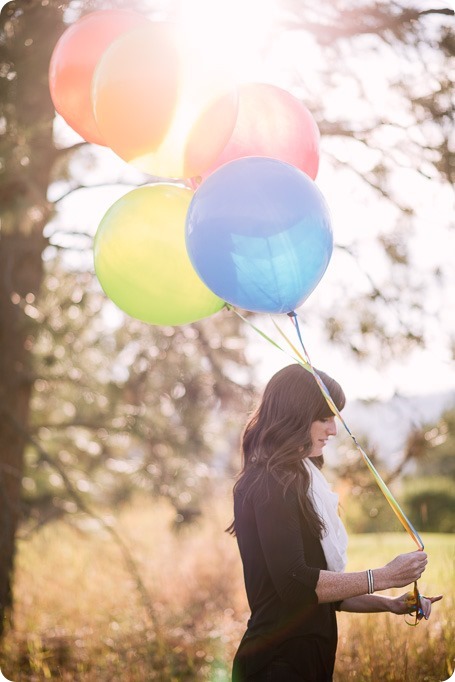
[278, 519]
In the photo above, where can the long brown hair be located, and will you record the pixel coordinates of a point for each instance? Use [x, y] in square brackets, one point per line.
[277, 436]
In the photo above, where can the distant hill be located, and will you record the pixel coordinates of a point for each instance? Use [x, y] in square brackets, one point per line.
[388, 424]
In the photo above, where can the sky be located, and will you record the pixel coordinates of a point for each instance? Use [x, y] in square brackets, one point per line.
[424, 371]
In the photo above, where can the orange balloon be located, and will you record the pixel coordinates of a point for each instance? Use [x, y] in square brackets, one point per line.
[162, 103]
[73, 62]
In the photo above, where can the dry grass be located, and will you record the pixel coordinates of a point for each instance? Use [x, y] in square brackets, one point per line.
[80, 616]
[381, 646]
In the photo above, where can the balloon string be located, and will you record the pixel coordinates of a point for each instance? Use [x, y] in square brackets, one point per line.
[306, 362]
[261, 333]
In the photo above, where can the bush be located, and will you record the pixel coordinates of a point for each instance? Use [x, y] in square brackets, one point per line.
[431, 501]
[367, 511]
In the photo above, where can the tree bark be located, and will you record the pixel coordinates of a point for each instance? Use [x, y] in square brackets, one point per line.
[29, 31]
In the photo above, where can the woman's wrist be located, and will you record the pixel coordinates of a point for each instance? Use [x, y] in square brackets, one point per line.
[387, 603]
[370, 581]
[380, 580]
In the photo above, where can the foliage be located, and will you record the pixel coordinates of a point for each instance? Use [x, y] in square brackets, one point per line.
[363, 507]
[367, 511]
[428, 489]
[26, 158]
[421, 479]
[436, 445]
[119, 405]
[431, 501]
[387, 121]
[97, 405]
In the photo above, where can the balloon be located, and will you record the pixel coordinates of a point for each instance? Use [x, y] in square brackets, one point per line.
[74, 60]
[141, 260]
[162, 103]
[258, 233]
[271, 122]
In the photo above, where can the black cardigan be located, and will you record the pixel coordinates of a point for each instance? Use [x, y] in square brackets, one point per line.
[281, 564]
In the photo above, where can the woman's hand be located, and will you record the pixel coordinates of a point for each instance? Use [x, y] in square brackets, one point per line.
[401, 605]
[401, 571]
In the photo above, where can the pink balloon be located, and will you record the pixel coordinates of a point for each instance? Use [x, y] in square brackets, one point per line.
[271, 122]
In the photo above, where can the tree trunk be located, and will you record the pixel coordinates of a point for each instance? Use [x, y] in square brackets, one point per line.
[29, 32]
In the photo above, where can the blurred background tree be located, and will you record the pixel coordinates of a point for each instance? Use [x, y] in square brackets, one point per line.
[421, 476]
[130, 406]
[428, 490]
[112, 407]
[106, 405]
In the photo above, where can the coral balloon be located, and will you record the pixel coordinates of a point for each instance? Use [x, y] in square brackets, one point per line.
[141, 259]
[271, 122]
[73, 62]
[162, 103]
[258, 233]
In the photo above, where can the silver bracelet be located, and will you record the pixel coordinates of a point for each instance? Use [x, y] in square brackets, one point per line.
[370, 581]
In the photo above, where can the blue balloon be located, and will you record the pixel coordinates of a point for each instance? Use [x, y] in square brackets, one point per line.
[259, 235]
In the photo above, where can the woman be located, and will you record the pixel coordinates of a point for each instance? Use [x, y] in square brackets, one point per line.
[292, 542]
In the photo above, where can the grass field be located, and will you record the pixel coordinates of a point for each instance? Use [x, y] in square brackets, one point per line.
[80, 614]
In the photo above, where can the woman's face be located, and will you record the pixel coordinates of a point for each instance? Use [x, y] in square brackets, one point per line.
[320, 433]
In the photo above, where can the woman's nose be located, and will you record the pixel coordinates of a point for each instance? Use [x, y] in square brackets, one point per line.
[332, 427]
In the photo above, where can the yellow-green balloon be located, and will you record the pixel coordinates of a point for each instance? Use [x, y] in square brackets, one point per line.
[141, 259]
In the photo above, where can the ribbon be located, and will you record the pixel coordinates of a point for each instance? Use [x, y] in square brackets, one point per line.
[414, 604]
[405, 522]
[305, 362]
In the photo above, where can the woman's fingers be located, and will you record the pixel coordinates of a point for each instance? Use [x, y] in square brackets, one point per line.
[406, 568]
[433, 599]
[406, 604]
[426, 603]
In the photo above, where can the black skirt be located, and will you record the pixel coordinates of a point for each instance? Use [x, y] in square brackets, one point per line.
[300, 659]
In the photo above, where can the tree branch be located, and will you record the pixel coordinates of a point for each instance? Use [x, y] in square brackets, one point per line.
[77, 424]
[377, 22]
[121, 183]
[63, 151]
[76, 188]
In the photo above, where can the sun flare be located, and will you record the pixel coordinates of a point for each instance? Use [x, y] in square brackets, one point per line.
[235, 33]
